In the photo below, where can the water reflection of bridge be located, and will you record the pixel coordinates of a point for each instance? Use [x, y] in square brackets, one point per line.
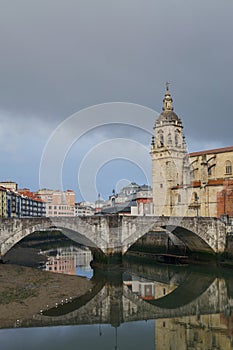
[115, 303]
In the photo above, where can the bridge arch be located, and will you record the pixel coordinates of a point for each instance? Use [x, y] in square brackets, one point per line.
[185, 293]
[189, 238]
[17, 229]
[207, 235]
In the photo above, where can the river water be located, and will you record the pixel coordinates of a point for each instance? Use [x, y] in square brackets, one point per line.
[139, 305]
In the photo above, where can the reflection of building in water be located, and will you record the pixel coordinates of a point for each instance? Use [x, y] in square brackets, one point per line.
[149, 290]
[61, 263]
[162, 289]
[83, 257]
[144, 290]
[193, 332]
[65, 260]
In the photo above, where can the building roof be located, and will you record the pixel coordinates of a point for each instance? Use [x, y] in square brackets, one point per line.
[168, 115]
[27, 193]
[212, 151]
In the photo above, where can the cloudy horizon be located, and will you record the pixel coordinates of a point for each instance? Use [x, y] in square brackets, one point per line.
[60, 57]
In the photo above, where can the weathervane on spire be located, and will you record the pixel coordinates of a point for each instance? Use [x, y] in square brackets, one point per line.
[167, 86]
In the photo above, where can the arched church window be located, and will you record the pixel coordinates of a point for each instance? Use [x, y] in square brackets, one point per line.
[169, 139]
[177, 138]
[161, 138]
[228, 166]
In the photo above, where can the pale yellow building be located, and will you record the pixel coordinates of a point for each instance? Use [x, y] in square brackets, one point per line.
[170, 163]
[10, 185]
[195, 184]
[212, 182]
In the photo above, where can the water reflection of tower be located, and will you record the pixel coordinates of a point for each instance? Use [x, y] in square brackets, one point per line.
[116, 306]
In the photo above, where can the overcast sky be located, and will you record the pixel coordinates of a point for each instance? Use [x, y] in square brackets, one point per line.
[61, 56]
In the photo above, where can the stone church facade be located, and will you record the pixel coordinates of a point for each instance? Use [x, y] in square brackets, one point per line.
[195, 184]
[212, 184]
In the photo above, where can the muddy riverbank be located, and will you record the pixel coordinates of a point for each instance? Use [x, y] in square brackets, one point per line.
[24, 291]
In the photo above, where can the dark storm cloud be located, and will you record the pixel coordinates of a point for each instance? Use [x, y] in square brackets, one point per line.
[59, 56]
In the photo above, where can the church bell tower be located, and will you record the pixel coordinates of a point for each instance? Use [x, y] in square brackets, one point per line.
[169, 158]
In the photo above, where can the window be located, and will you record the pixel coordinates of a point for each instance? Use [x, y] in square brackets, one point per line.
[228, 167]
[195, 197]
[161, 138]
[169, 139]
[177, 133]
[179, 198]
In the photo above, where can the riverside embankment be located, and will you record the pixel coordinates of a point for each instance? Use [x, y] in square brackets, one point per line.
[24, 291]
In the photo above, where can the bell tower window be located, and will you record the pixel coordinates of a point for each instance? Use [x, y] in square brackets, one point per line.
[169, 139]
[177, 138]
[161, 138]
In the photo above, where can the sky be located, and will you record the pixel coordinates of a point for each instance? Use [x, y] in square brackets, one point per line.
[82, 82]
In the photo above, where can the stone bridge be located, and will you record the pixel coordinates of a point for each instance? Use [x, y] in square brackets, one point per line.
[116, 234]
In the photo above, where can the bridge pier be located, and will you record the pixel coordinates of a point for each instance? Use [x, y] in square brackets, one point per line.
[113, 281]
[106, 260]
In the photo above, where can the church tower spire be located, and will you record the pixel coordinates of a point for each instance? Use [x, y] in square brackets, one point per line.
[167, 101]
[168, 153]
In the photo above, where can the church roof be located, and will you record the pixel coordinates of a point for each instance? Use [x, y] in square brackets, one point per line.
[212, 151]
[168, 114]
